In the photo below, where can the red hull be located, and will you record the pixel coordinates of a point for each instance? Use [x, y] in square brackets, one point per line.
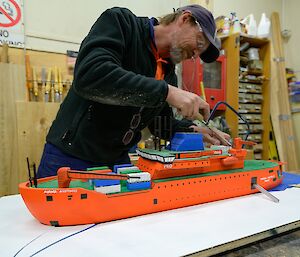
[74, 206]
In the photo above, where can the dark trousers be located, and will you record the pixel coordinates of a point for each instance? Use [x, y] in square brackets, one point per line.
[53, 159]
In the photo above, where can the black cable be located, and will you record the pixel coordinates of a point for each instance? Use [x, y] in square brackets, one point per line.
[231, 108]
[64, 238]
[29, 243]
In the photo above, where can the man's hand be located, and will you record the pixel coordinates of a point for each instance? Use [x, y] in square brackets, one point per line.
[208, 135]
[188, 104]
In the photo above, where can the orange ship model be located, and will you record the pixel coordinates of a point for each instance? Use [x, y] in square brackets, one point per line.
[161, 180]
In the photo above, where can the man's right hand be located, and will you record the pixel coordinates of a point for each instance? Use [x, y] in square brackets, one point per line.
[188, 104]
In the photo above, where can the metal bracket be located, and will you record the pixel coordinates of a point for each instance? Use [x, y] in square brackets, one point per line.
[278, 59]
[237, 42]
[284, 117]
[266, 193]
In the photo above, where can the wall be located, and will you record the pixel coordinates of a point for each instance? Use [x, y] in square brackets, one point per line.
[291, 22]
[245, 7]
[60, 25]
[288, 12]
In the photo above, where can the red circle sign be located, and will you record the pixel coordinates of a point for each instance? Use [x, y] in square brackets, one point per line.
[12, 13]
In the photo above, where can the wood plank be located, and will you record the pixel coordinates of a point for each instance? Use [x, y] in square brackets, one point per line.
[231, 46]
[34, 121]
[10, 75]
[4, 54]
[40, 59]
[280, 106]
[296, 123]
[23, 127]
[274, 95]
[265, 53]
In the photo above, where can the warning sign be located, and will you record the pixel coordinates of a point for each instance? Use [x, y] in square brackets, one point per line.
[11, 23]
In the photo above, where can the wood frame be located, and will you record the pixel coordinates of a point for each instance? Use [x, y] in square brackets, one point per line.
[231, 45]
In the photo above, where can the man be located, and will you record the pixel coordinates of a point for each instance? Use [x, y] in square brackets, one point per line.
[124, 77]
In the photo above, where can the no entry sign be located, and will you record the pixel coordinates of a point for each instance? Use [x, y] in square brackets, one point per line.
[11, 25]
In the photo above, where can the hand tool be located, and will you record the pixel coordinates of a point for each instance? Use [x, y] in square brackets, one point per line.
[44, 82]
[48, 86]
[60, 85]
[29, 78]
[35, 86]
[56, 85]
[215, 131]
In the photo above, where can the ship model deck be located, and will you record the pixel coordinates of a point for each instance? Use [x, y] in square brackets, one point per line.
[161, 180]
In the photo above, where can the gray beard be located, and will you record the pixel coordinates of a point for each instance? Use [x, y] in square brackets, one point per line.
[176, 55]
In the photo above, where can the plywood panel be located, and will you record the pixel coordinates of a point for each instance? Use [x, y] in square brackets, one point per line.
[296, 123]
[41, 60]
[34, 120]
[10, 75]
[23, 127]
[231, 46]
[265, 57]
[38, 59]
[281, 113]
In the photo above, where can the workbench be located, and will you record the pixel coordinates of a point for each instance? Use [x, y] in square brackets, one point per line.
[200, 230]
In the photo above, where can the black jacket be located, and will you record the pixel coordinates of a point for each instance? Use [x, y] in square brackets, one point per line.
[113, 77]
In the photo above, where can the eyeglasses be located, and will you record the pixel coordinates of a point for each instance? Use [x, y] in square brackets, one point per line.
[134, 123]
[201, 39]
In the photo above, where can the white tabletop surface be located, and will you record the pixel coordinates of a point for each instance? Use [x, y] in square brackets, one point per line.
[171, 233]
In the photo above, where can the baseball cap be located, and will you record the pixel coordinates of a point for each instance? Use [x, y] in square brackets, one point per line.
[208, 25]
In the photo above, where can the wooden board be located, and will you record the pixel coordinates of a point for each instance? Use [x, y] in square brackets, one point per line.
[265, 51]
[280, 106]
[39, 60]
[23, 127]
[4, 53]
[10, 76]
[34, 120]
[231, 46]
[296, 123]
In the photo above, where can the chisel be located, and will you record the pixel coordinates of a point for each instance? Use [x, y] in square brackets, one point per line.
[56, 85]
[60, 85]
[48, 86]
[43, 88]
[35, 86]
